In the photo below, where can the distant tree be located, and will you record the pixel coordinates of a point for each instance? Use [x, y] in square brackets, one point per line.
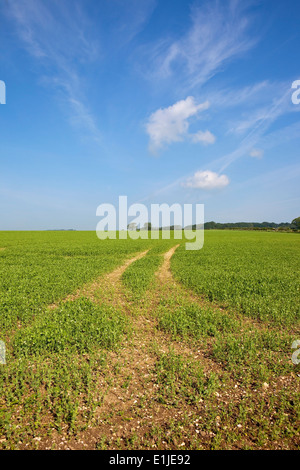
[209, 225]
[296, 223]
[131, 226]
[147, 226]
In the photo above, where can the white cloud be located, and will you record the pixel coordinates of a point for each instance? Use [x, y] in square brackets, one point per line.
[256, 153]
[207, 180]
[205, 138]
[171, 124]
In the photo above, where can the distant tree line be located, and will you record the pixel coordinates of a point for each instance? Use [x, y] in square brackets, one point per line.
[284, 226]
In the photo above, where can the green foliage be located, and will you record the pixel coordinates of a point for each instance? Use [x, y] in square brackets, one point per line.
[296, 223]
[256, 273]
[255, 355]
[139, 275]
[40, 268]
[195, 321]
[178, 378]
[77, 326]
[59, 365]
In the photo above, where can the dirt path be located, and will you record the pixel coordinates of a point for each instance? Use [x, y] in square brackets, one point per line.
[164, 273]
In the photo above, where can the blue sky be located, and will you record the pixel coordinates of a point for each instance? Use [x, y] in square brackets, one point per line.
[163, 101]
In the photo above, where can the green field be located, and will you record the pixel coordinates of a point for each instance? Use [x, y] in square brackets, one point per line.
[189, 351]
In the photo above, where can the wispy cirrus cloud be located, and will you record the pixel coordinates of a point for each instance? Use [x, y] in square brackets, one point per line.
[281, 136]
[168, 125]
[255, 129]
[219, 32]
[49, 30]
[129, 19]
[58, 37]
[274, 101]
[250, 95]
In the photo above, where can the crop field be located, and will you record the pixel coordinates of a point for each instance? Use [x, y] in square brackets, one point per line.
[141, 344]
